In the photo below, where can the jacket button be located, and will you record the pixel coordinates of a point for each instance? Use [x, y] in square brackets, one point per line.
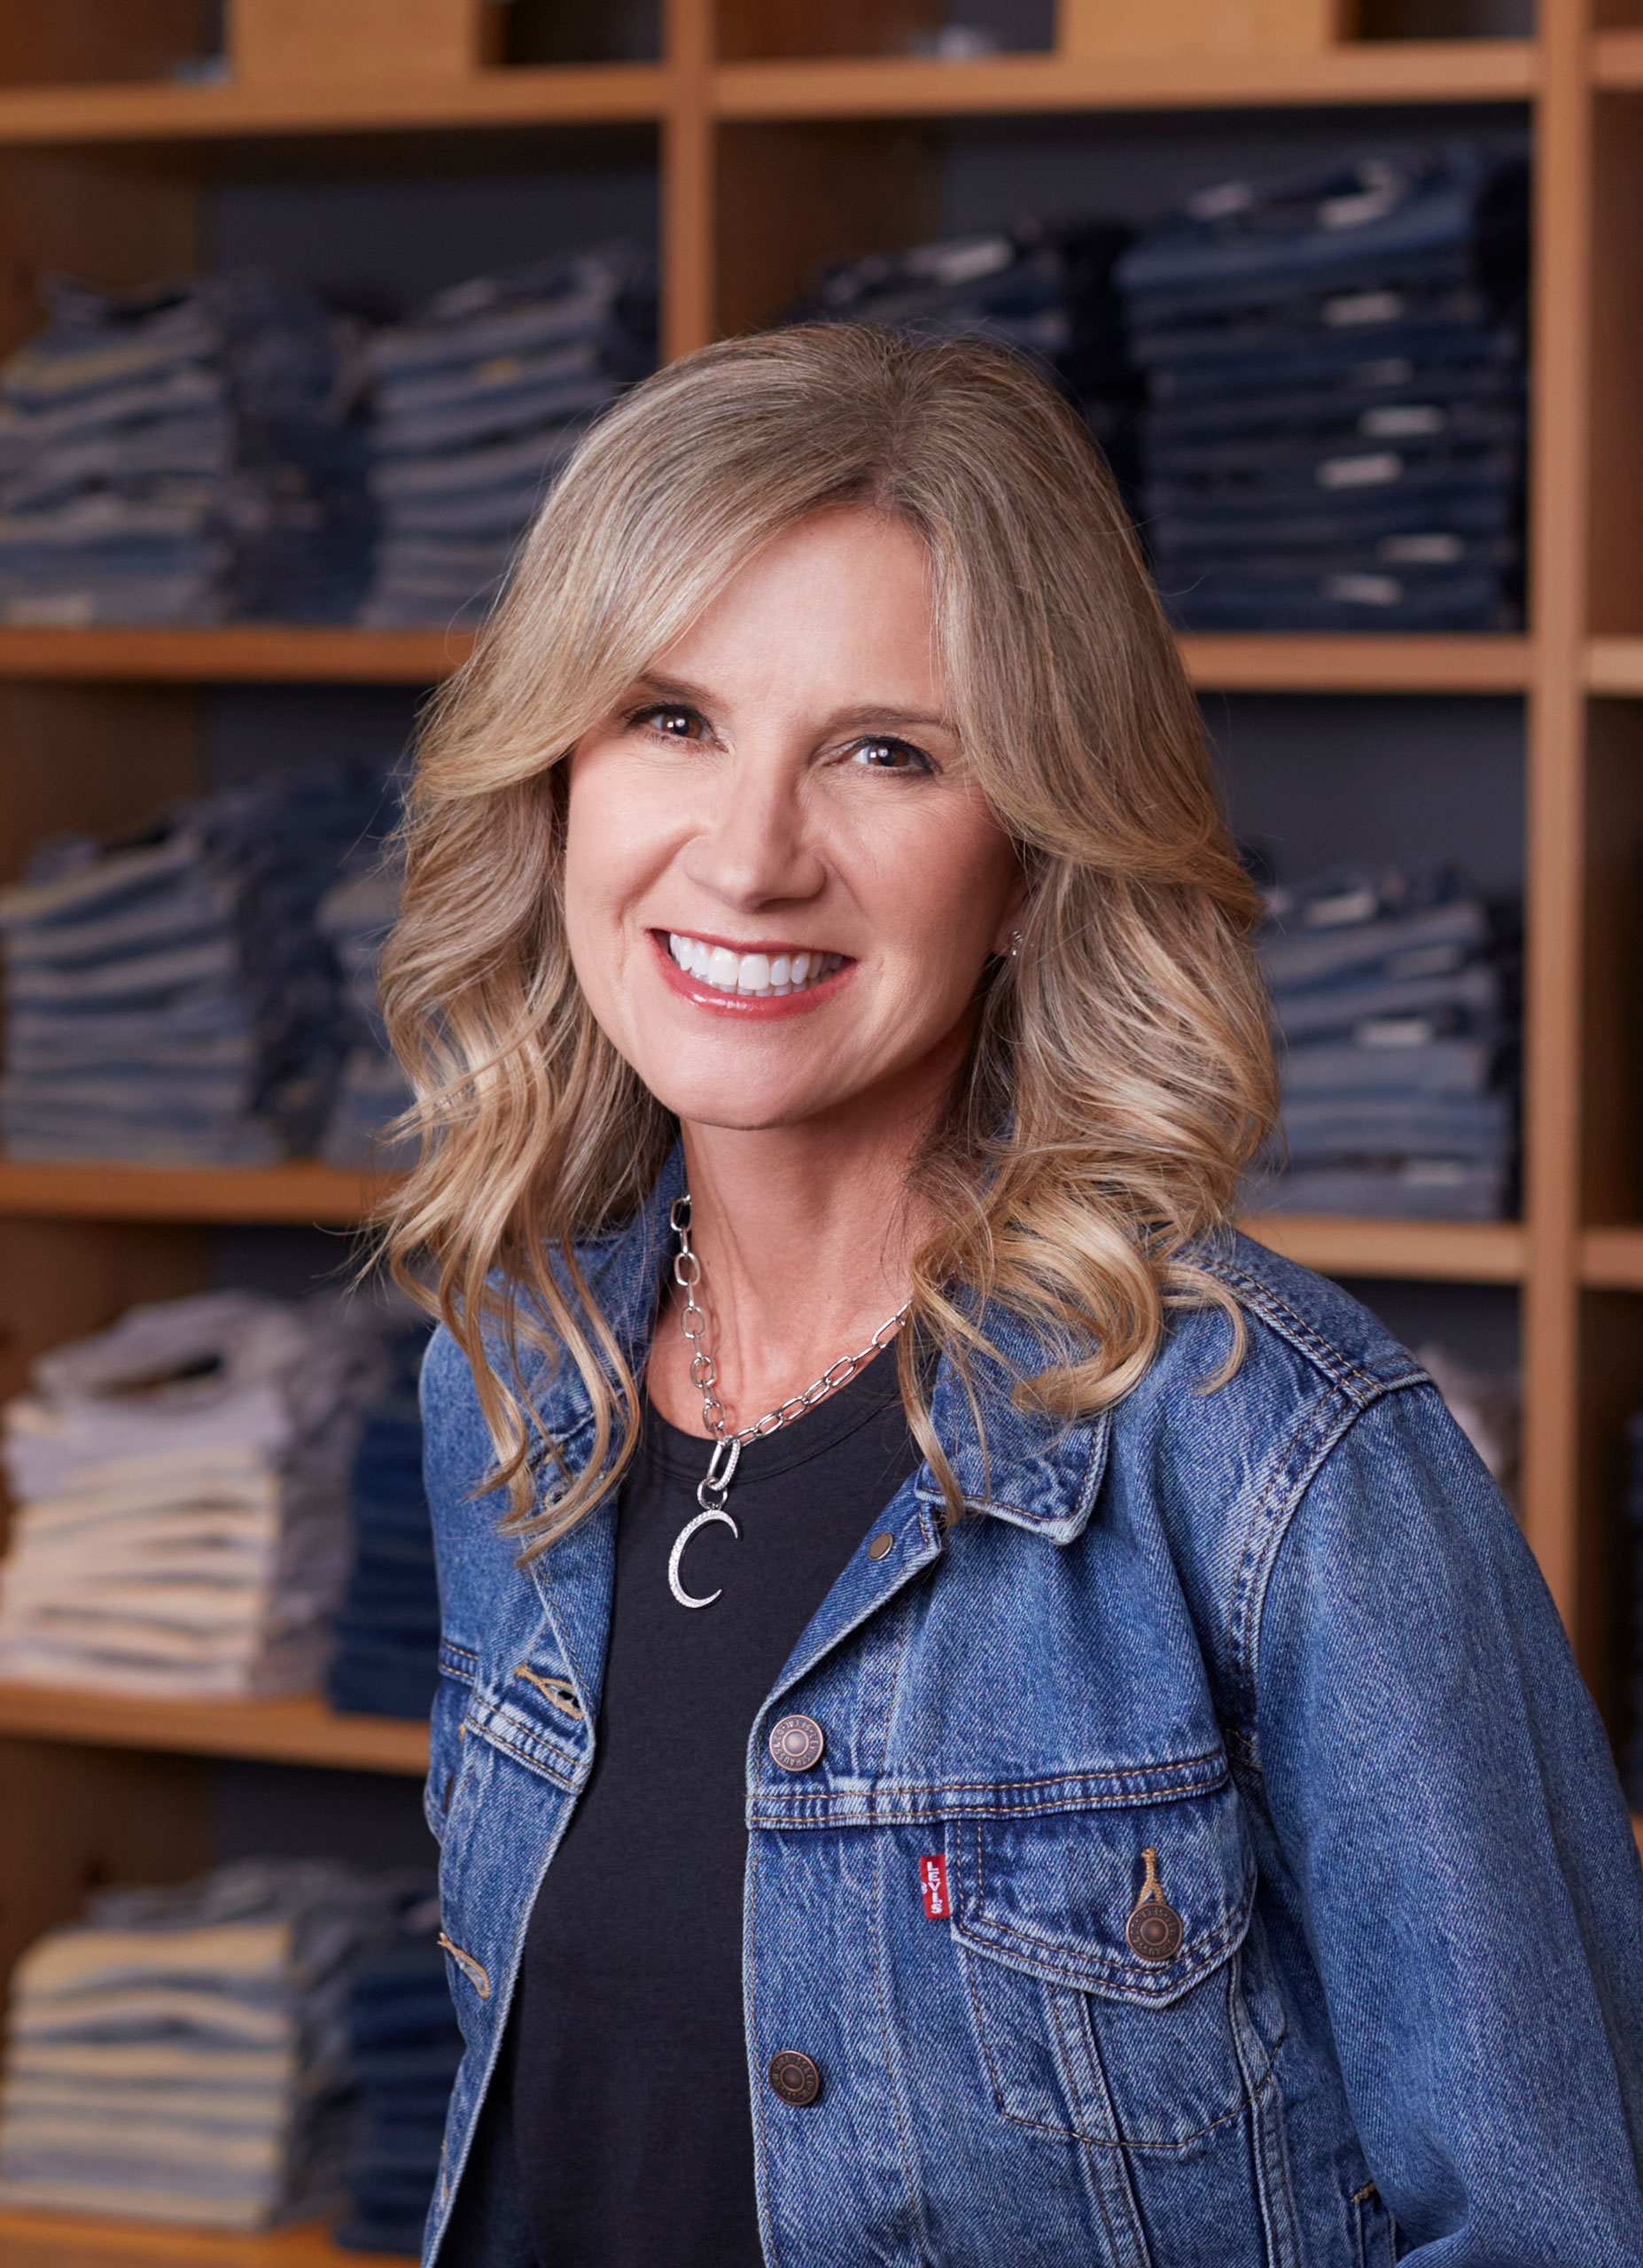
[881, 1547]
[794, 2077]
[795, 1744]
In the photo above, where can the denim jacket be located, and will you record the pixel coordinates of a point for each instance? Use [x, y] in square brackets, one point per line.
[1283, 1637]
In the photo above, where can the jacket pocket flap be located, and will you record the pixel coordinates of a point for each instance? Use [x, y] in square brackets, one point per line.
[1056, 1896]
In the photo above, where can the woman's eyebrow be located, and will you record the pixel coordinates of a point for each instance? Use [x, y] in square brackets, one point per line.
[888, 718]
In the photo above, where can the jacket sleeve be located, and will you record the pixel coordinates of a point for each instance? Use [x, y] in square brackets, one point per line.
[1443, 1791]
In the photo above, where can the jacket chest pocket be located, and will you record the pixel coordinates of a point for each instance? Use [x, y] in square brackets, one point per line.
[1115, 1995]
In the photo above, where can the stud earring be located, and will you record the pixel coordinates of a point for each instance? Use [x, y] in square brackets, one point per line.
[1015, 944]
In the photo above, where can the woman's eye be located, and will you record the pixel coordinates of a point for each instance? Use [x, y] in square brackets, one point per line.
[889, 755]
[675, 724]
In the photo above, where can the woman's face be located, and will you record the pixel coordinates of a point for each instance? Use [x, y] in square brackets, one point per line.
[780, 886]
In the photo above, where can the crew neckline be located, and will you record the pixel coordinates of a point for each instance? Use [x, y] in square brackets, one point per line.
[874, 1389]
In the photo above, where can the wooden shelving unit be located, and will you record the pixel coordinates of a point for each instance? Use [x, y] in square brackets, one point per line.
[301, 1730]
[765, 163]
[64, 2241]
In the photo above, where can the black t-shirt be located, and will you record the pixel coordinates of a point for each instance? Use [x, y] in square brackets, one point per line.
[620, 2117]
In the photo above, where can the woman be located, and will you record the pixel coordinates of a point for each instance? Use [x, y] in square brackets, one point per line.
[987, 1719]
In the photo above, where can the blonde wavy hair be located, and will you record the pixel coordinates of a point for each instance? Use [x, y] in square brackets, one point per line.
[1120, 1077]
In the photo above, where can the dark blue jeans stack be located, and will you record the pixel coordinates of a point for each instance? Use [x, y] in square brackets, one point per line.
[387, 1634]
[355, 914]
[182, 453]
[170, 997]
[1398, 1019]
[476, 403]
[405, 2050]
[1046, 291]
[1335, 433]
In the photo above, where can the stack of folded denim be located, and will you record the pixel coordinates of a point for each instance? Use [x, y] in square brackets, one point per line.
[181, 1486]
[406, 2048]
[182, 2054]
[181, 454]
[476, 402]
[1335, 369]
[357, 914]
[1398, 1021]
[1046, 291]
[386, 1660]
[170, 1000]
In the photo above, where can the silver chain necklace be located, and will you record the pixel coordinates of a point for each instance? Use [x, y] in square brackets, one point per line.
[714, 1486]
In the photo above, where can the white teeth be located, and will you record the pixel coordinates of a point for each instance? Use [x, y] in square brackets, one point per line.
[752, 975]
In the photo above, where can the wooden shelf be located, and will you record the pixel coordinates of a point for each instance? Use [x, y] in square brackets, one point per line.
[251, 653]
[1372, 71]
[73, 2240]
[1617, 60]
[268, 653]
[1455, 1251]
[303, 1194]
[301, 1730]
[1611, 1260]
[1614, 665]
[1316, 664]
[577, 95]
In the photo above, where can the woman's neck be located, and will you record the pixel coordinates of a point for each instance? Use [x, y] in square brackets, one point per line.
[805, 1235]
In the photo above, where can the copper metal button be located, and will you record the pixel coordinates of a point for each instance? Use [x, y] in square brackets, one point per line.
[795, 1744]
[794, 2077]
[1154, 1930]
[881, 1547]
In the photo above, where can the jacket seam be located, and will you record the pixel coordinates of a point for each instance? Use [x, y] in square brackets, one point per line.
[1044, 1779]
[499, 1739]
[1327, 1423]
[1289, 1324]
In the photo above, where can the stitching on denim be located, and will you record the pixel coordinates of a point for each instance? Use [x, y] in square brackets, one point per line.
[867, 1810]
[538, 1764]
[894, 1686]
[1212, 1949]
[1323, 1425]
[1054, 1780]
[1330, 1358]
[761, 2189]
[874, 1924]
[463, 1669]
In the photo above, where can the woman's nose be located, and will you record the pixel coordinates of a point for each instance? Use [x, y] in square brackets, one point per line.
[757, 843]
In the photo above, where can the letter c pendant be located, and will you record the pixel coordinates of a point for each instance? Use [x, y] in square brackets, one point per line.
[677, 1553]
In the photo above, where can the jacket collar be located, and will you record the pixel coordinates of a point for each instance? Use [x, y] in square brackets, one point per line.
[1037, 1472]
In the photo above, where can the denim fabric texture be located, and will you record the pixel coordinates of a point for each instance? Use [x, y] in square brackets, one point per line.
[476, 403]
[1284, 1635]
[386, 1658]
[181, 454]
[183, 2054]
[1335, 379]
[404, 2050]
[1397, 1012]
[171, 998]
[181, 1486]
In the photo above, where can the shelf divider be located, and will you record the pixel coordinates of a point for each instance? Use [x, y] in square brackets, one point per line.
[299, 1730]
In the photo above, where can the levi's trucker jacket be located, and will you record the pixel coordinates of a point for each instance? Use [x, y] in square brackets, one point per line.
[1284, 1635]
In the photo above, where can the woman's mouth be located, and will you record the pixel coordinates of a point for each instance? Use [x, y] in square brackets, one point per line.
[766, 980]
[752, 976]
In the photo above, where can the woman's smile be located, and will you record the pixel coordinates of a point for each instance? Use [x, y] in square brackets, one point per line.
[765, 979]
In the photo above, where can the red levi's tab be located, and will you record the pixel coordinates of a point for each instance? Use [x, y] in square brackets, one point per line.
[932, 1880]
